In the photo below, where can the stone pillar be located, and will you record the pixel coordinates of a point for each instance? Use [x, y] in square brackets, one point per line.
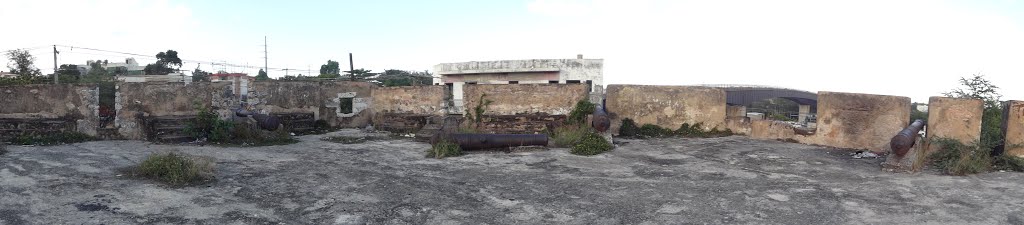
[1013, 127]
[955, 118]
[804, 111]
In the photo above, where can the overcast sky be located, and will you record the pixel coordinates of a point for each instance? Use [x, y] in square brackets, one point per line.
[908, 48]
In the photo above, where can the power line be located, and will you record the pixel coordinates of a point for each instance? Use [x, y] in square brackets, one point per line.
[223, 63]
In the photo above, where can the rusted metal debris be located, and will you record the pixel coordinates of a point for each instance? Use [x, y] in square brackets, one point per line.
[905, 139]
[493, 141]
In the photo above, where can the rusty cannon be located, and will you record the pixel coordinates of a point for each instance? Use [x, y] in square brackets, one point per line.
[492, 141]
[905, 139]
[264, 121]
[600, 120]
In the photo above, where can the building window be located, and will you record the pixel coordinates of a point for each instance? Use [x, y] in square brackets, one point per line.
[474, 82]
[513, 82]
[552, 81]
[572, 81]
[345, 106]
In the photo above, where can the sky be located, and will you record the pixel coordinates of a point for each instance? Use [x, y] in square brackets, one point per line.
[890, 47]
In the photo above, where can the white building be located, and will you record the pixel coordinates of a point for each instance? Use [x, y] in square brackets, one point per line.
[530, 71]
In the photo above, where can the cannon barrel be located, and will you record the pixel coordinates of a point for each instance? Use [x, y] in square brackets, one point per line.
[490, 141]
[905, 139]
[265, 121]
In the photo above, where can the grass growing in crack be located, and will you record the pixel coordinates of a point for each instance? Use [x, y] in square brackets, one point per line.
[956, 158]
[443, 149]
[569, 135]
[47, 139]
[3, 148]
[176, 169]
[351, 140]
[591, 144]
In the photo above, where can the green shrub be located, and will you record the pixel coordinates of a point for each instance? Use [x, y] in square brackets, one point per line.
[580, 112]
[207, 125]
[591, 144]
[176, 169]
[654, 131]
[443, 149]
[250, 135]
[629, 128]
[956, 158]
[569, 135]
[46, 139]
[1008, 163]
[686, 130]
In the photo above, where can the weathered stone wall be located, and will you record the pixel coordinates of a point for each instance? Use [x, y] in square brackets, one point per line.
[771, 130]
[320, 98]
[35, 108]
[523, 108]
[666, 106]
[955, 118]
[1013, 115]
[514, 99]
[137, 101]
[858, 121]
[736, 111]
[407, 108]
[738, 125]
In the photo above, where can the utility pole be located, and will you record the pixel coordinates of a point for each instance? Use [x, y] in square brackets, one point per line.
[351, 68]
[265, 68]
[56, 77]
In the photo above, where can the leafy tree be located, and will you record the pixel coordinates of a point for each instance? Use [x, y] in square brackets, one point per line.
[917, 114]
[262, 75]
[200, 75]
[392, 77]
[21, 63]
[96, 68]
[68, 70]
[977, 87]
[163, 64]
[331, 68]
[360, 74]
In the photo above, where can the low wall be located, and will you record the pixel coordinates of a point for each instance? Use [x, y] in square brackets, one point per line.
[135, 102]
[771, 130]
[515, 99]
[523, 108]
[666, 106]
[738, 125]
[326, 100]
[407, 108]
[955, 118]
[44, 108]
[1013, 127]
[858, 121]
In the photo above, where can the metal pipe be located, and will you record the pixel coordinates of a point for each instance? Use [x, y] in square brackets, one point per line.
[491, 141]
[905, 139]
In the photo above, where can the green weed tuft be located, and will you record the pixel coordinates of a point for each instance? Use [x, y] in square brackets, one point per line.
[567, 136]
[443, 149]
[591, 144]
[176, 169]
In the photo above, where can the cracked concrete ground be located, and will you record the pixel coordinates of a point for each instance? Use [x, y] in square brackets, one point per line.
[733, 180]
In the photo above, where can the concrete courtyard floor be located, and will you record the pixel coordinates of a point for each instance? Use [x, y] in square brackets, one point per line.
[731, 180]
